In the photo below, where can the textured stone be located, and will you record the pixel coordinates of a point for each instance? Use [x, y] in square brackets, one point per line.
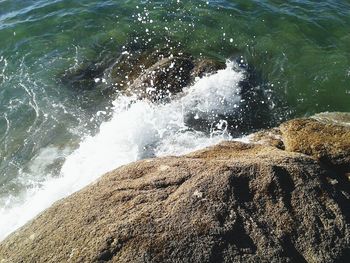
[164, 79]
[233, 202]
[154, 75]
[325, 136]
[271, 137]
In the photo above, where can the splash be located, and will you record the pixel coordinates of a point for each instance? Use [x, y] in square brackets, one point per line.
[138, 129]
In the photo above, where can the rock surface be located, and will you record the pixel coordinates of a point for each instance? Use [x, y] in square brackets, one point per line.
[233, 202]
[326, 136]
[270, 137]
[153, 75]
[159, 75]
[163, 79]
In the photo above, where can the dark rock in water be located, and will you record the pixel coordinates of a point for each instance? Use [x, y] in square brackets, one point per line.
[130, 65]
[153, 75]
[163, 79]
[205, 66]
[255, 111]
[83, 78]
[159, 75]
[233, 202]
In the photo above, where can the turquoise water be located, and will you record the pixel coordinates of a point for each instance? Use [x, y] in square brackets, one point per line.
[300, 49]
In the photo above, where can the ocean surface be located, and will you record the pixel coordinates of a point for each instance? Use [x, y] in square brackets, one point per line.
[56, 138]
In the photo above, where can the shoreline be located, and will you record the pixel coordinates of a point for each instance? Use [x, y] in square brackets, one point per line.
[198, 202]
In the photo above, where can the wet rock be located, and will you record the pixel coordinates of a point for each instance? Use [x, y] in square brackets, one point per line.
[233, 202]
[159, 75]
[203, 67]
[153, 75]
[131, 65]
[165, 78]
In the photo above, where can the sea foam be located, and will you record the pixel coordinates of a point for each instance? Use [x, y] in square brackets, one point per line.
[137, 129]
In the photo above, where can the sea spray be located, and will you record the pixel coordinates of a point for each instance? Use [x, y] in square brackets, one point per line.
[138, 129]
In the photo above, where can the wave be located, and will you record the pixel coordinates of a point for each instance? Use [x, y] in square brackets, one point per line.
[138, 129]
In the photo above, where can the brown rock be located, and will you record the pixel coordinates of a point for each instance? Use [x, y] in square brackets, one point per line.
[325, 136]
[233, 202]
[336, 118]
[270, 137]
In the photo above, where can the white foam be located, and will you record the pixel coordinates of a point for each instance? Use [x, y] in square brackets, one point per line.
[138, 129]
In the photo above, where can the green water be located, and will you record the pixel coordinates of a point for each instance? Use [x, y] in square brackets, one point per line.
[300, 49]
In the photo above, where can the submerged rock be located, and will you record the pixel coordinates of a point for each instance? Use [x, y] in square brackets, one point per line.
[154, 75]
[164, 79]
[85, 77]
[161, 75]
[158, 76]
[233, 202]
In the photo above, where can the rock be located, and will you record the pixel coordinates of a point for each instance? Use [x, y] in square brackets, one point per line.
[159, 75]
[336, 118]
[205, 66]
[270, 137]
[154, 75]
[164, 79]
[131, 65]
[233, 202]
[325, 136]
[255, 109]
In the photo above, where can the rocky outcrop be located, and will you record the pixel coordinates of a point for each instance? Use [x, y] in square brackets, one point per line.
[270, 137]
[163, 79]
[325, 136]
[150, 74]
[234, 202]
[168, 76]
